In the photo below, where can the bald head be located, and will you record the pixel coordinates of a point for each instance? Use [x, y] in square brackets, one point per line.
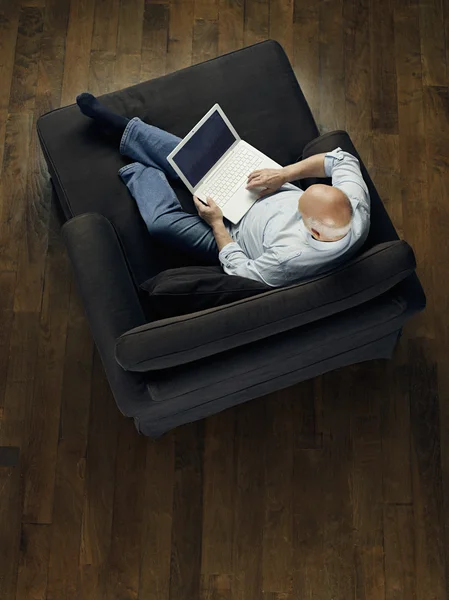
[326, 212]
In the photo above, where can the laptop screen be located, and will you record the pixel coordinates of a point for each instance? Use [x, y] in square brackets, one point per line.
[206, 146]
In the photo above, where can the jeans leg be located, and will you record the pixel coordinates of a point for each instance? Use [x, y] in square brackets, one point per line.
[164, 216]
[149, 145]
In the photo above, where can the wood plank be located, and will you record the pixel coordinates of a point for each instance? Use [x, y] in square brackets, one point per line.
[78, 45]
[13, 187]
[426, 474]
[187, 513]
[281, 24]
[257, 21]
[247, 553]
[18, 394]
[24, 78]
[383, 90]
[277, 546]
[332, 75]
[230, 25]
[205, 40]
[33, 248]
[388, 185]
[432, 38]
[218, 495]
[7, 289]
[357, 65]
[157, 520]
[99, 486]
[33, 561]
[154, 41]
[71, 461]
[306, 52]
[123, 568]
[180, 35]
[336, 506]
[399, 543]
[105, 27]
[395, 407]
[410, 98]
[436, 103]
[367, 493]
[11, 502]
[52, 54]
[41, 452]
[129, 43]
[9, 23]
[309, 484]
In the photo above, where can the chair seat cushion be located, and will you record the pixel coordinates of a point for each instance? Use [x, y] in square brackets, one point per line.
[192, 289]
[187, 338]
[255, 86]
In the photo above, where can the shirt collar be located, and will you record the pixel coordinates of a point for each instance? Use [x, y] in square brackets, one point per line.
[333, 246]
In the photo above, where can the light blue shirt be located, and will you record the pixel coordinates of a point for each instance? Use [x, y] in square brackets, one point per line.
[271, 243]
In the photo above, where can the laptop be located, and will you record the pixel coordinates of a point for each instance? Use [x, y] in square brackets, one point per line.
[213, 161]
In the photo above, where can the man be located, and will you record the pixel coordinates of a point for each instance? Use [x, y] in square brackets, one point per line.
[285, 237]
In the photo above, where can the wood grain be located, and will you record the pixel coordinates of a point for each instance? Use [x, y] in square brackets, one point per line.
[154, 41]
[218, 495]
[11, 502]
[41, 452]
[187, 513]
[332, 106]
[157, 519]
[71, 458]
[24, 77]
[399, 546]
[281, 24]
[78, 45]
[33, 561]
[247, 554]
[306, 52]
[99, 487]
[277, 545]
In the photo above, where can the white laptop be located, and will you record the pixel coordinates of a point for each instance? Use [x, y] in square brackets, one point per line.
[214, 162]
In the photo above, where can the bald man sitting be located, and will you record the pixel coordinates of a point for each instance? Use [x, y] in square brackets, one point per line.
[286, 236]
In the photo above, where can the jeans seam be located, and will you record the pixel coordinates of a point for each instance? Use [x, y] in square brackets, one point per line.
[126, 134]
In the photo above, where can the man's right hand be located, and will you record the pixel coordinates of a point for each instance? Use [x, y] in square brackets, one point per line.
[270, 179]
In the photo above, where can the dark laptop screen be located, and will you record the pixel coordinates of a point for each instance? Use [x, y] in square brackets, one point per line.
[204, 149]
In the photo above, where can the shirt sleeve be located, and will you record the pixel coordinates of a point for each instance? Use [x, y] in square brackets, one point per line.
[344, 169]
[267, 268]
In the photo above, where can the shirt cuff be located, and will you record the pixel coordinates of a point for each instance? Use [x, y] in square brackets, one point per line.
[226, 252]
[330, 158]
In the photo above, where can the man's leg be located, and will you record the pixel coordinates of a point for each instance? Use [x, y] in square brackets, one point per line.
[163, 214]
[149, 145]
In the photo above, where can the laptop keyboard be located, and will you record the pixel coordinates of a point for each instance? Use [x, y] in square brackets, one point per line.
[232, 175]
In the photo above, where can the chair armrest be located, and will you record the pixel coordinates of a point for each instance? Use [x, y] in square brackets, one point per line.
[109, 297]
[191, 337]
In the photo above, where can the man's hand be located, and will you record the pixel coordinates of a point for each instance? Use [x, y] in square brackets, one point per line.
[270, 179]
[211, 213]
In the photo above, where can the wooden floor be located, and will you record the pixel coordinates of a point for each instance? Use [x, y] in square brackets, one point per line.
[335, 489]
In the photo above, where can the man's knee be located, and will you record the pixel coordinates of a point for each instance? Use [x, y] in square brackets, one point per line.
[159, 228]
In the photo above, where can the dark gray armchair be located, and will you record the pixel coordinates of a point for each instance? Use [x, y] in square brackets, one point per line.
[168, 372]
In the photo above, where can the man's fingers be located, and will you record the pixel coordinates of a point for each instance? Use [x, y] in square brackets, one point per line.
[253, 174]
[255, 182]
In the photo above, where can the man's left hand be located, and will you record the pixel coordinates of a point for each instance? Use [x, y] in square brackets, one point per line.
[211, 213]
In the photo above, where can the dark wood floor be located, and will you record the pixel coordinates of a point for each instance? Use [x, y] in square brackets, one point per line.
[335, 489]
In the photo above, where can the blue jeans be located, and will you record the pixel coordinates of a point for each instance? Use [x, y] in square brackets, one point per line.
[147, 182]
